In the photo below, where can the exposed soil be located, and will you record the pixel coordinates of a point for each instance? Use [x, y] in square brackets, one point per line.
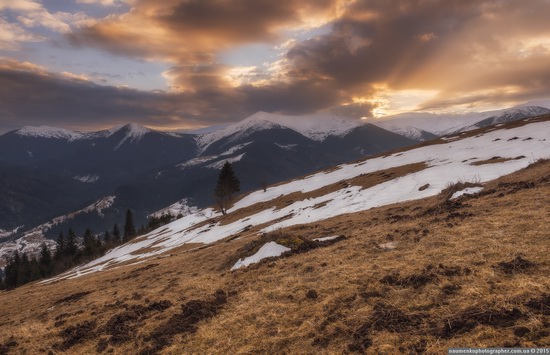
[540, 305]
[518, 265]
[7, 346]
[76, 334]
[468, 319]
[72, 298]
[187, 321]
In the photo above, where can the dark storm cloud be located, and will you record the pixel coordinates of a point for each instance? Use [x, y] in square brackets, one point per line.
[471, 52]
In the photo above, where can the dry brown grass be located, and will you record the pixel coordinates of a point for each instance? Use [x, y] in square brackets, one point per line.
[454, 279]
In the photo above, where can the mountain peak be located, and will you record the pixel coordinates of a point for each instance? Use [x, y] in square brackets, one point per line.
[314, 126]
[48, 132]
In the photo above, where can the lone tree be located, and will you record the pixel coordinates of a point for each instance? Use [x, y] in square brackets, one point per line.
[228, 184]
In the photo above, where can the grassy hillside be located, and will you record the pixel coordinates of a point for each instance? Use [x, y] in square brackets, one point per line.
[414, 277]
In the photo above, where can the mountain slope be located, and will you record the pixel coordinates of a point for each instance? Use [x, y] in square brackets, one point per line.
[402, 176]
[419, 276]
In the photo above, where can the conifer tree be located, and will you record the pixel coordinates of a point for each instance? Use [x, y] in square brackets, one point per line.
[71, 249]
[129, 227]
[88, 243]
[24, 275]
[46, 262]
[12, 271]
[60, 247]
[107, 239]
[116, 233]
[227, 185]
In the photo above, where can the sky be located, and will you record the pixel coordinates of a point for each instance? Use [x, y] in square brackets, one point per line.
[93, 64]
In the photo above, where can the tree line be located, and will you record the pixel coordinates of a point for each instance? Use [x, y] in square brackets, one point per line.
[69, 252]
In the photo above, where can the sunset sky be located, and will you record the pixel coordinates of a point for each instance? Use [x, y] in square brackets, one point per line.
[91, 64]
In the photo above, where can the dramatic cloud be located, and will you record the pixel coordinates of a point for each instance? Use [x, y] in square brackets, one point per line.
[352, 57]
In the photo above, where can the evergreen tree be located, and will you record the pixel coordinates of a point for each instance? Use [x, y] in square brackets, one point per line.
[71, 248]
[12, 271]
[116, 233]
[107, 238]
[129, 228]
[88, 243]
[60, 247]
[36, 271]
[24, 275]
[46, 262]
[227, 185]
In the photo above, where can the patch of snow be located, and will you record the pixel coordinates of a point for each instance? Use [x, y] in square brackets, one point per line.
[220, 163]
[324, 239]
[235, 149]
[181, 207]
[467, 191]
[87, 178]
[267, 250]
[388, 245]
[287, 146]
[197, 161]
[204, 130]
[5, 234]
[49, 132]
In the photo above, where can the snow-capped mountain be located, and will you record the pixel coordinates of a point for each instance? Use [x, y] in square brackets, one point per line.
[315, 127]
[506, 116]
[49, 132]
[422, 124]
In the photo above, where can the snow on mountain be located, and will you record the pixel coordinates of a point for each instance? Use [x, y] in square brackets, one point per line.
[316, 127]
[29, 244]
[445, 162]
[437, 124]
[411, 124]
[5, 234]
[220, 163]
[49, 132]
[181, 207]
[508, 115]
[87, 178]
[32, 239]
[409, 132]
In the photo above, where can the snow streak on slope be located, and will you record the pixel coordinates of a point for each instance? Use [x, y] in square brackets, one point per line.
[267, 250]
[447, 162]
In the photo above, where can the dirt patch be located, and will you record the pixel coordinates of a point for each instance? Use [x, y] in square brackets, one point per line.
[138, 271]
[121, 326]
[470, 318]
[76, 334]
[187, 321]
[540, 305]
[428, 275]
[385, 317]
[7, 346]
[495, 160]
[518, 265]
[72, 298]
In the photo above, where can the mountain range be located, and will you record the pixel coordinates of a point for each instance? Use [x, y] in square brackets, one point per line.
[51, 176]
